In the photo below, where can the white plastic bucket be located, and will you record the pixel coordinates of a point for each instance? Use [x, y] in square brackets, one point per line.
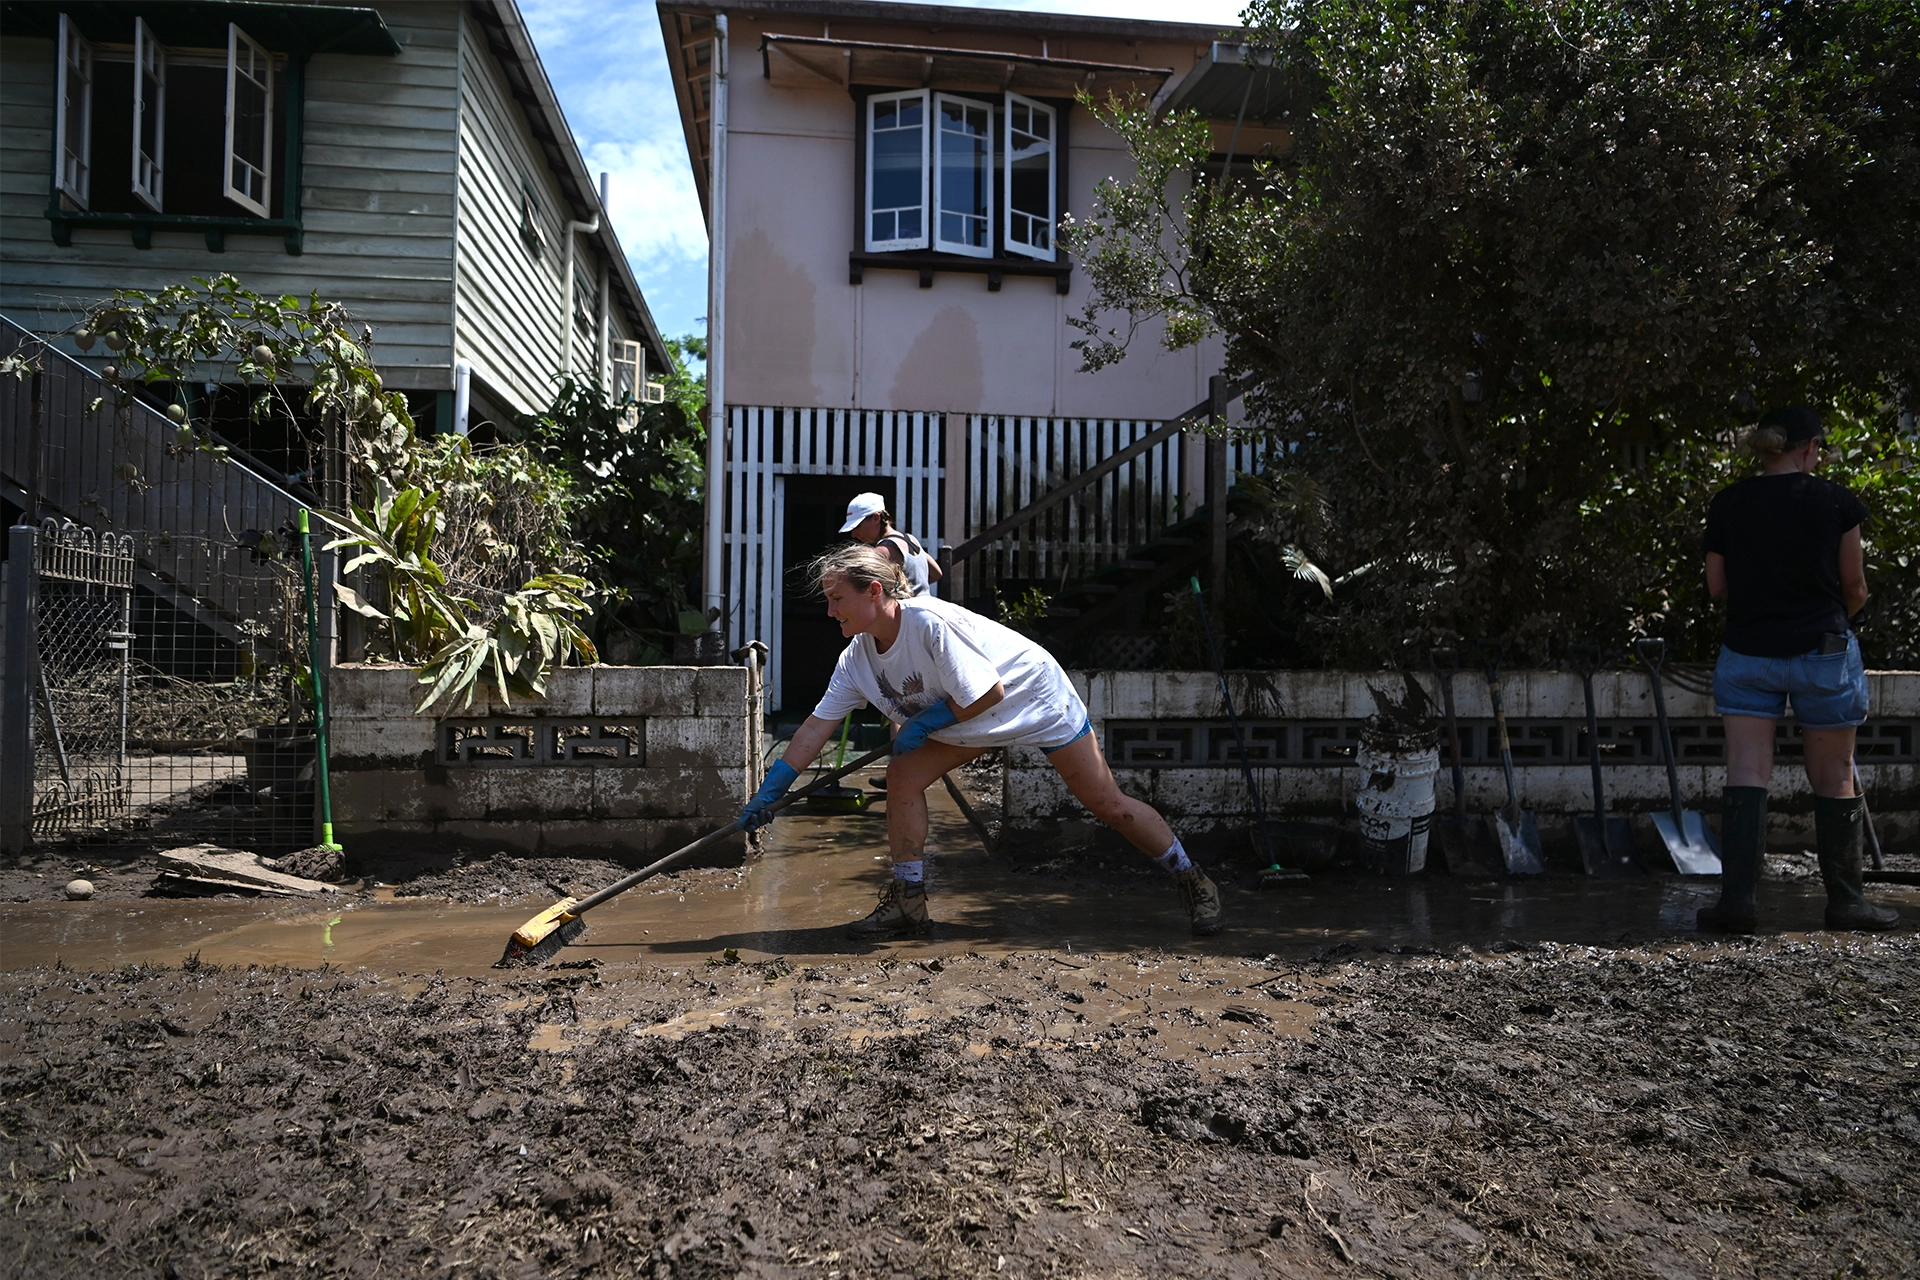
[1395, 801]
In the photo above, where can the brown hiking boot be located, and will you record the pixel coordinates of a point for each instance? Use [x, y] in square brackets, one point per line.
[899, 912]
[1202, 897]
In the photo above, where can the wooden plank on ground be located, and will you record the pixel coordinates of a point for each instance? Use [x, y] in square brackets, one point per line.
[214, 863]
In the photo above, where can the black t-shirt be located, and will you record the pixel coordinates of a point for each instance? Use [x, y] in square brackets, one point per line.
[1780, 535]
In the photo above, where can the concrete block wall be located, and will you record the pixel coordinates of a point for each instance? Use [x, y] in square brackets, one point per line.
[1207, 798]
[395, 789]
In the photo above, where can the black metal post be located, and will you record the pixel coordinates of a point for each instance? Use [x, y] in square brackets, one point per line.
[36, 421]
[17, 690]
[1219, 394]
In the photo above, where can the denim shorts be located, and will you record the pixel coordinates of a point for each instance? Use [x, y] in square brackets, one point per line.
[1086, 727]
[1828, 690]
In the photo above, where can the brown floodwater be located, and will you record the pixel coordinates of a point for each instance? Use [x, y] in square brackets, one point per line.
[818, 873]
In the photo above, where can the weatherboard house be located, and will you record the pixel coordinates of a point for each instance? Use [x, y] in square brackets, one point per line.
[884, 185]
[409, 160]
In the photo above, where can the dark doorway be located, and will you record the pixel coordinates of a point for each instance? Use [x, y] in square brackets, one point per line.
[811, 641]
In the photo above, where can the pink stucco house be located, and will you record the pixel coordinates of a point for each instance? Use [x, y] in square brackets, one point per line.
[883, 185]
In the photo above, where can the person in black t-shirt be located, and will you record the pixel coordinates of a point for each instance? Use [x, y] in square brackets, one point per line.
[1783, 550]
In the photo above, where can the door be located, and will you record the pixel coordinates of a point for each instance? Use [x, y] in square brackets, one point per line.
[816, 507]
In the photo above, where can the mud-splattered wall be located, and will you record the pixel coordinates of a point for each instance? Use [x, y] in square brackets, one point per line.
[1168, 738]
[629, 762]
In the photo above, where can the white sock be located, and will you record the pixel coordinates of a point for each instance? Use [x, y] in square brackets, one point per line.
[913, 872]
[1174, 860]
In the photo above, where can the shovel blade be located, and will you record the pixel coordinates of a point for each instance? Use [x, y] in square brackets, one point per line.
[1607, 852]
[1518, 837]
[1692, 845]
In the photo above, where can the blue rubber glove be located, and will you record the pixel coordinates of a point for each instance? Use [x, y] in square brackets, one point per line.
[913, 733]
[779, 778]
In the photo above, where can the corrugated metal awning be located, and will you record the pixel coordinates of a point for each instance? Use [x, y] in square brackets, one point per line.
[202, 24]
[1228, 77]
[812, 59]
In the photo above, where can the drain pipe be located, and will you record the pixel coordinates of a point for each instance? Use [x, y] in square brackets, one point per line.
[462, 395]
[604, 338]
[715, 586]
[566, 292]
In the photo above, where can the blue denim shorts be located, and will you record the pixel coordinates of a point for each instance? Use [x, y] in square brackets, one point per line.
[1086, 727]
[1828, 690]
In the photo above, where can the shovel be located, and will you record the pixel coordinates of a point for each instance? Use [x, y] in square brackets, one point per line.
[1606, 844]
[1690, 842]
[1462, 842]
[1514, 827]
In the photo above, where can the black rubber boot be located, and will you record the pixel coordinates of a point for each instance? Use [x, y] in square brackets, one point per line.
[1743, 844]
[1837, 831]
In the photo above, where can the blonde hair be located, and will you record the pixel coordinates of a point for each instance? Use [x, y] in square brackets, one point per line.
[1766, 443]
[860, 567]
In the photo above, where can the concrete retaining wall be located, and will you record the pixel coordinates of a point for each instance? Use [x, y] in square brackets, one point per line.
[1305, 723]
[628, 762]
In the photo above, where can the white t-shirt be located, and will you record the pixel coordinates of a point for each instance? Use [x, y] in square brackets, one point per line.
[946, 652]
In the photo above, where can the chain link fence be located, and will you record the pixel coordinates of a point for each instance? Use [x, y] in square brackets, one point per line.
[152, 719]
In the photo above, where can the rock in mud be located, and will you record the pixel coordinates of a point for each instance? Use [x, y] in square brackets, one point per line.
[79, 890]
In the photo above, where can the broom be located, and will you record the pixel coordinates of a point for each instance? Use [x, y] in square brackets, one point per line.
[542, 937]
[838, 799]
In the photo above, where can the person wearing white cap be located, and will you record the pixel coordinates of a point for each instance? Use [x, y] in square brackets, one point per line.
[869, 522]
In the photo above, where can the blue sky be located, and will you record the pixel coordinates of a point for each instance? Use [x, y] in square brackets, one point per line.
[608, 65]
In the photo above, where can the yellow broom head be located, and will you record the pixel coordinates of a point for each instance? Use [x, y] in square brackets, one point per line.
[543, 935]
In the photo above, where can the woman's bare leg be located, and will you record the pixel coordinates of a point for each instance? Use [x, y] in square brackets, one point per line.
[908, 778]
[1829, 757]
[1750, 750]
[1084, 769]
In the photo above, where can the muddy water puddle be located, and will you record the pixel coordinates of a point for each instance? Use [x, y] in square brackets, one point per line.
[817, 874]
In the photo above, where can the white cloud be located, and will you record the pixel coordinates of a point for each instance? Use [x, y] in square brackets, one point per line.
[609, 66]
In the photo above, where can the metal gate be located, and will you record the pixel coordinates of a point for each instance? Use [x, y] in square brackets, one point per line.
[83, 611]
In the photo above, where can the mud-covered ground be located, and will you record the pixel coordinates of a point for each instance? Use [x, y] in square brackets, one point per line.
[1685, 1109]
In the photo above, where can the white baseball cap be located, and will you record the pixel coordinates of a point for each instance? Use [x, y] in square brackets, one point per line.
[862, 506]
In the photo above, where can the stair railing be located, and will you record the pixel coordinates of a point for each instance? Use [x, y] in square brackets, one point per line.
[1224, 393]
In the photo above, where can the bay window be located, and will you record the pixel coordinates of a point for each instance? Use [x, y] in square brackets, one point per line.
[971, 176]
[185, 117]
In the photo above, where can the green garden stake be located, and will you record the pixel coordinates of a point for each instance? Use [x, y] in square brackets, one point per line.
[315, 668]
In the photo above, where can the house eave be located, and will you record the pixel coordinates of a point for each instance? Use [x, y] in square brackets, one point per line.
[512, 46]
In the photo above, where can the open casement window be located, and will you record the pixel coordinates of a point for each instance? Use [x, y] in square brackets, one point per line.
[629, 379]
[897, 150]
[149, 115]
[1032, 139]
[249, 152]
[73, 109]
[963, 177]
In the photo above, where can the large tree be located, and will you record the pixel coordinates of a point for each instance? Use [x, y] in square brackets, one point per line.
[1515, 247]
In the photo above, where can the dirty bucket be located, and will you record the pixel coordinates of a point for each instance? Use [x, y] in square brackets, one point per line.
[1396, 800]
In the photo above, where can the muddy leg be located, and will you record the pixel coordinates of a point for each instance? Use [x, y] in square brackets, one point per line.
[1084, 769]
[908, 778]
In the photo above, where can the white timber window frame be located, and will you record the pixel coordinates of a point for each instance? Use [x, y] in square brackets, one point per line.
[73, 112]
[958, 151]
[1032, 142]
[898, 225]
[248, 176]
[149, 116]
[629, 381]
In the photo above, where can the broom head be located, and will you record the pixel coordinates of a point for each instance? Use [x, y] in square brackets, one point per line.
[542, 937]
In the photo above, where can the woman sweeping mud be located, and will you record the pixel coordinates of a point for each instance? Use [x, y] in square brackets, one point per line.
[958, 685]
